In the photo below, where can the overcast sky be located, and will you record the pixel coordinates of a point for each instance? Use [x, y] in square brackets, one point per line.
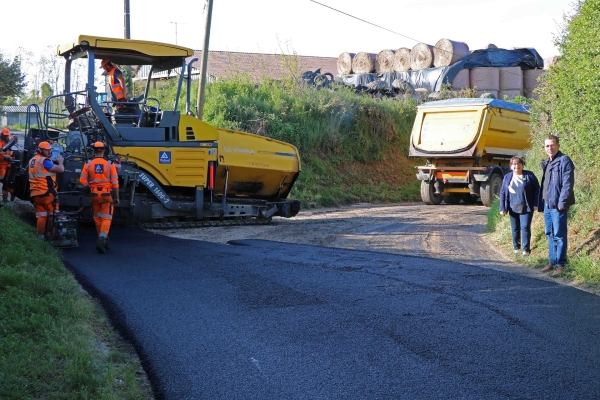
[287, 26]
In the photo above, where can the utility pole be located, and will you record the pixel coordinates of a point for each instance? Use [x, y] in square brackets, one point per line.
[127, 23]
[176, 29]
[204, 65]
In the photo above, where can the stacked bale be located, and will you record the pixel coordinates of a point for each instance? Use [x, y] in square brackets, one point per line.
[511, 82]
[363, 63]
[402, 60]
[485, 80]
[447, 52]
[384, 61]
[344, 63]
[461, 80]
[421, 56]
[530, 82]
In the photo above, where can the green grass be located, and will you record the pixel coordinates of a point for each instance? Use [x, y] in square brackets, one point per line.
[55, 342]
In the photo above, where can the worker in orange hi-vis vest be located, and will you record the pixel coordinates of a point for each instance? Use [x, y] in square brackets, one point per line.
[5, 158]
[42, 185]
[101, 175]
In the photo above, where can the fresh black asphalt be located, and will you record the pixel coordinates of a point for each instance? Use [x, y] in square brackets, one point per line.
[266, 320]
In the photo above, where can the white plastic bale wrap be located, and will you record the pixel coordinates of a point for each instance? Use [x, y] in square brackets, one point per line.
[344, 63]
[384, 61]
[363, 63]
[511, 78]
[461, 80]
[421, 56]
[494, 93]
[485, 78]
[402, 60]
[447, 52]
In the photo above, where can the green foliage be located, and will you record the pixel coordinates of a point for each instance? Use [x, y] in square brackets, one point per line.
[338, 122]
[50, 330]
[128, 80]
[494, 216]
[569, 107]
[12, 80]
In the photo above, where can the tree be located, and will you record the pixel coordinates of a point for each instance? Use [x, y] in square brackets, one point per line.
[12, 80]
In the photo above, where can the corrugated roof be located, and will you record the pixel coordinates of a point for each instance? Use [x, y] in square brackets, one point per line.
[14, 109]
[222, 64]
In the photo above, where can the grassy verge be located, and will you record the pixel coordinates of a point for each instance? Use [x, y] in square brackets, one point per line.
[55, 342]
[583, 267]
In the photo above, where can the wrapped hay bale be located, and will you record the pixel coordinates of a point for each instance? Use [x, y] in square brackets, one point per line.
[485, 79]
[344, 63]
[461, 80]
[446, 52]
[530, 82]
[510, 78]
[402, 59]
[511, 82]
[384, 61]
[530, 79]
[363, 63]
[421, 56]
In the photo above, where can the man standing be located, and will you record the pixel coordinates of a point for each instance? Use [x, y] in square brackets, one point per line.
[555, 199]
[42, 185]
[5, 158]
[116, 80]
[101, 175]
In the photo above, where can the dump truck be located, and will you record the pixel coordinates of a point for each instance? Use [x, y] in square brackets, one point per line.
[467, 145]
[175, 169]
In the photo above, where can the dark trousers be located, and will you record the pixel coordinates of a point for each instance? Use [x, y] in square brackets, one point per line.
[521, 230]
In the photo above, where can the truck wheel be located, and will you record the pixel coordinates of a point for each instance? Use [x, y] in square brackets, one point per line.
[452, 198]
[490, 190]
[427, 194]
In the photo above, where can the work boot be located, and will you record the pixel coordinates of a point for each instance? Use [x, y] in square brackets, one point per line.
[101, 245]
[106, 243]
[558, 271]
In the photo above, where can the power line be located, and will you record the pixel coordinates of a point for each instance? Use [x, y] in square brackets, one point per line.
[386, 29]
[360, 19]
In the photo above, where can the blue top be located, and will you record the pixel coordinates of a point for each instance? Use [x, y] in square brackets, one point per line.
[48, 164]
[561, 178]
[532, 190]
[507, 105]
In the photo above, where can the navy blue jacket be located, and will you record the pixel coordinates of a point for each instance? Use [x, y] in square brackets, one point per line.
[561, 174]
[532, 191]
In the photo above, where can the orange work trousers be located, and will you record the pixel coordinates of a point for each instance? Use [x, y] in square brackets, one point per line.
[102, 207]
[4, 174]
[44, 208]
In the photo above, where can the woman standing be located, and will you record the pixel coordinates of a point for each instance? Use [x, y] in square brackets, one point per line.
[518, 197]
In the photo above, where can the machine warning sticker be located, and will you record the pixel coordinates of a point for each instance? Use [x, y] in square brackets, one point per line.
[164, 157]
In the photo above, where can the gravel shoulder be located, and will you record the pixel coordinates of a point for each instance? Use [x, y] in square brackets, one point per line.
[447, 232]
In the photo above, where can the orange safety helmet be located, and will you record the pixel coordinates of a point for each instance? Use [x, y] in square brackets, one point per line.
[44, 146]
[5, 132]
[98, 145]
[104, 62]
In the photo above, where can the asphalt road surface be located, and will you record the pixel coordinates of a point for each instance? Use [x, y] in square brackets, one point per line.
[258, 319]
